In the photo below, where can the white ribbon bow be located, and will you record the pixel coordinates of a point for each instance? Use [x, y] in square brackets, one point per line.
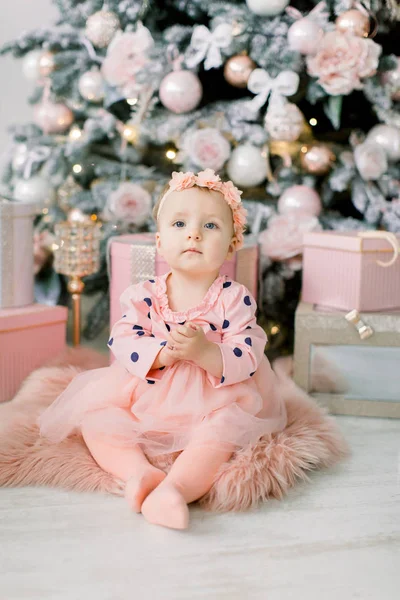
[38, 154]
[207, 44]
[261, 84]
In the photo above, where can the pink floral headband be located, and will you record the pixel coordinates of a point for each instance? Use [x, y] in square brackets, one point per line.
[208, 179]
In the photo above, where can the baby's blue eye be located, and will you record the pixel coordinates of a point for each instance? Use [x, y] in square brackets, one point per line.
[179, 223]
[213, 225]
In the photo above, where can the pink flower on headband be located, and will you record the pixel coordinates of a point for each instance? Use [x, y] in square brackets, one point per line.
[231, 194]
[209, 179]
[182, 181]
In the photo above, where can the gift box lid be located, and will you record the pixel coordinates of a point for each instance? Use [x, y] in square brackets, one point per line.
[30, 316]
[10, 209]
[353, 241]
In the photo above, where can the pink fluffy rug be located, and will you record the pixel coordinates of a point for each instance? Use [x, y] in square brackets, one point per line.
[310, 441]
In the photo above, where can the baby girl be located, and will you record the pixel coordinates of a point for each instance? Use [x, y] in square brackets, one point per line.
[190, 374]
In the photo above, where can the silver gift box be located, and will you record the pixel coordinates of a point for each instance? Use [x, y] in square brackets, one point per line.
[350, 365]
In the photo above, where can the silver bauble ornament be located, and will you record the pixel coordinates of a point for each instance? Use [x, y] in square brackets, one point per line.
[247, 167]
[101, 28]
[267, 8]
[284, 121]
[30, 65]
[36, 190]
[91, 86]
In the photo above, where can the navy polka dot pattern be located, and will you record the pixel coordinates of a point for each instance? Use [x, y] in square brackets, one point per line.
[225, 324]
[162, 368]
[123, 316]
[237, 352]
[163, 343]
[222, 379]
[149, 381]
[140, 333]
[248, 341]
[183, 322]
[134, 357]
[251, 374]
[151, 280]
[148, 301]
[168, 327]
[152, 335]
[248, 327]
[110, 341]
[148, 315]
[137, 327]
[227, 284]
[213, 327]
[247, 300]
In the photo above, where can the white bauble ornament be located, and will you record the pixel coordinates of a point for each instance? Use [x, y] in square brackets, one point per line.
[101, 28]
[267, 8]
[371, 160]
[30, 65]
[180, 91]
[388, 137]
[36, 190]
[284, 121]
[391, 79]
[247, 167]
[53, 117]
[301, 199]
[91, 86]
[304, 36]
[20, 156]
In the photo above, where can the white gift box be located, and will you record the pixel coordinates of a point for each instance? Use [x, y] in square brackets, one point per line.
[350, 366]
[16, 253]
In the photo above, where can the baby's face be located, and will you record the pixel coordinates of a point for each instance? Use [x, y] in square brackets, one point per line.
[198, 219]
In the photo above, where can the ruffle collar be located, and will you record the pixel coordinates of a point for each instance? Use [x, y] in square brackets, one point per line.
[203, 307]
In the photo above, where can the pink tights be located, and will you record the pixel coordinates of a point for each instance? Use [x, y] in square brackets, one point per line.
[161, 498]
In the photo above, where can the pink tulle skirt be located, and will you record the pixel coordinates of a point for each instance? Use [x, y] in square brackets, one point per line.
[181, 408]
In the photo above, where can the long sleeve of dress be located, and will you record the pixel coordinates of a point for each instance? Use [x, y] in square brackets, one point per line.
[243, 340]
[132, 341]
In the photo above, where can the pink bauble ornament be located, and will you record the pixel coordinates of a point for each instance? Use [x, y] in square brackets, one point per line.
[388, 137]
[267, 8]
[180, 91]
[353, 22]
[53, 117]
[304, 36]
[317, 159]
[391, 80]
[301, 199]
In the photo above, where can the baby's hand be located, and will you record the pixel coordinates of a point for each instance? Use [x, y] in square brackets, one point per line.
[187, 342]
[167, 357]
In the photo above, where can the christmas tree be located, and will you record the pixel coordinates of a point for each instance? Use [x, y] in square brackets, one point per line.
[297, 103]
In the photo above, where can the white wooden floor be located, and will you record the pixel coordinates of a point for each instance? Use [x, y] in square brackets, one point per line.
[337, 538]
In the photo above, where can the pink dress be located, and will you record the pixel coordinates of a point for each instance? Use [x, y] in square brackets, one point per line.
[165, 409]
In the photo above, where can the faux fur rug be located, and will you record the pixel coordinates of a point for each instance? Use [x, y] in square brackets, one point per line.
[310, 441]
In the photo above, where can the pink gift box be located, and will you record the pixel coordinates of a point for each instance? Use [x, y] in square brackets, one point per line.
[133, 258]
[29, 337]
[341, 271]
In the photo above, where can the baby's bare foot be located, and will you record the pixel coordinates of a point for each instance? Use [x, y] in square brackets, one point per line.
[166, 506]
[140, 485]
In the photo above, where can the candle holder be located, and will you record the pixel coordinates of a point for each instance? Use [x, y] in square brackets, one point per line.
[77, 255]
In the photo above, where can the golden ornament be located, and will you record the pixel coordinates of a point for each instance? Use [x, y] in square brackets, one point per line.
[237, 70]
[354, 22]
[46, 63]
[130, 133]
